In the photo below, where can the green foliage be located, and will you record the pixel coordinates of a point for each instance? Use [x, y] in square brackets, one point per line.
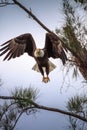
[19, 102]
[81, 1]
[75, 28]
[7, 116]
[77, 104]
[73, 34]
[70, 26]
[25, 96]
[74, 104]
[75, 72]
[29, 93]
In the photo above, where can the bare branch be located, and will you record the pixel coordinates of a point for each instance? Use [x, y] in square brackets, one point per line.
[17, 120]
[32, 15]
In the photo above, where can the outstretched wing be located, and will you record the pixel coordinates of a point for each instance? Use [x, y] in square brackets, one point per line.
[54, 48]
[18, 46]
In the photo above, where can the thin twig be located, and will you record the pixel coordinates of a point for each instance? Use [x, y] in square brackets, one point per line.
[17, 120]
[2, 4]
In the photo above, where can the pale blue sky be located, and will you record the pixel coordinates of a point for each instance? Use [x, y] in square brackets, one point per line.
[17, 72]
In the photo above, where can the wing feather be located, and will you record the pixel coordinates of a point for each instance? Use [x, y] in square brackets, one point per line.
[54, 47]
[18, 46]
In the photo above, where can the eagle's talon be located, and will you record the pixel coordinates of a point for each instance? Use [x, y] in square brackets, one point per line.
[45, 79]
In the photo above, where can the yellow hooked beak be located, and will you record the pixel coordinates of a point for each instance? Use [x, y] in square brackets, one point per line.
[38, 51]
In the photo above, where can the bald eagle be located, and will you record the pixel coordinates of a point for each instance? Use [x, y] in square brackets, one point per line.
[25, 44]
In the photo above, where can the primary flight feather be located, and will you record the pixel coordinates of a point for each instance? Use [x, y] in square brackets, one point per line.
[25, 43]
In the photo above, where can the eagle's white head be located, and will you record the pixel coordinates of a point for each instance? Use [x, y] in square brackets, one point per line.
[39, 53]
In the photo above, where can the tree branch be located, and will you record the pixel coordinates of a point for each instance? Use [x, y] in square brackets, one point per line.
[2, 4]
[32, 15]
[45, 107]
[17, 120]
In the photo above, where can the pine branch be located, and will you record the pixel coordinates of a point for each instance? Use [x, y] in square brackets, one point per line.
[44, 107]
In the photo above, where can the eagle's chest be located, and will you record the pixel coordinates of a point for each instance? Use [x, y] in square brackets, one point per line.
[42, 61]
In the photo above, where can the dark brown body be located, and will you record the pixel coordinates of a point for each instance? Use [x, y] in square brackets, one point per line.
[43, 62]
